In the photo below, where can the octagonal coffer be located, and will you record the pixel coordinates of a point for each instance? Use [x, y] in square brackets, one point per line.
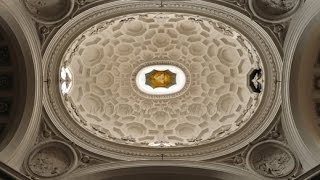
[160, 79]
[177, 88]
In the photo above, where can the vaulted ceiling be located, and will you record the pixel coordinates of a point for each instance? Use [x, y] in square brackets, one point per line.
[229, 88]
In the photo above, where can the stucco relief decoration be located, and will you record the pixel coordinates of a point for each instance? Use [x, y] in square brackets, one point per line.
[274, 10]
[49, 11]
[224, 80]
[51, 159]
[272, 159]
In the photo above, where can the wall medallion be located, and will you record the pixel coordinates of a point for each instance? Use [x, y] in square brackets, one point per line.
[272, 159]
[51, 159]
[49, 11]
[274, 10]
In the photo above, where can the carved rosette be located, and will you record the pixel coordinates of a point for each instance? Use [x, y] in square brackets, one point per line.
[50, 159]
[274, 11]
[272, 159]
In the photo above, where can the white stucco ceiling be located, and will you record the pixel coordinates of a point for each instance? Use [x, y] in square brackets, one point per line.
[230, 64]
[216, 100]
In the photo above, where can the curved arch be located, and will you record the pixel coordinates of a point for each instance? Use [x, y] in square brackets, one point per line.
[201, 170]
[15, 17]
[12, 84]
[298, 46]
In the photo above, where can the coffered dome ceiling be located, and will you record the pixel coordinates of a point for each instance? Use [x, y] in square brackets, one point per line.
[142, 82]
[223, 79]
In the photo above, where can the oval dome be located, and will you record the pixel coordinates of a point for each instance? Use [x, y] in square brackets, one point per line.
[207, 82]
[212, 106]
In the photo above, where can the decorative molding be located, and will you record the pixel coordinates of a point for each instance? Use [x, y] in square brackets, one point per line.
[265, 46]
[87, 160]
[301, 145]
[274, 132]
[50, 159]
[275, 20]
[53, 156]
[161, 61]
[50, 17]
[273, 159]
[237, 159]
[49, 12]
[215, 102]
[221, 171]
[276, 25]
[8, 172]
[270, 149]
[48, 132]
[15, 16]
[274, 11]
